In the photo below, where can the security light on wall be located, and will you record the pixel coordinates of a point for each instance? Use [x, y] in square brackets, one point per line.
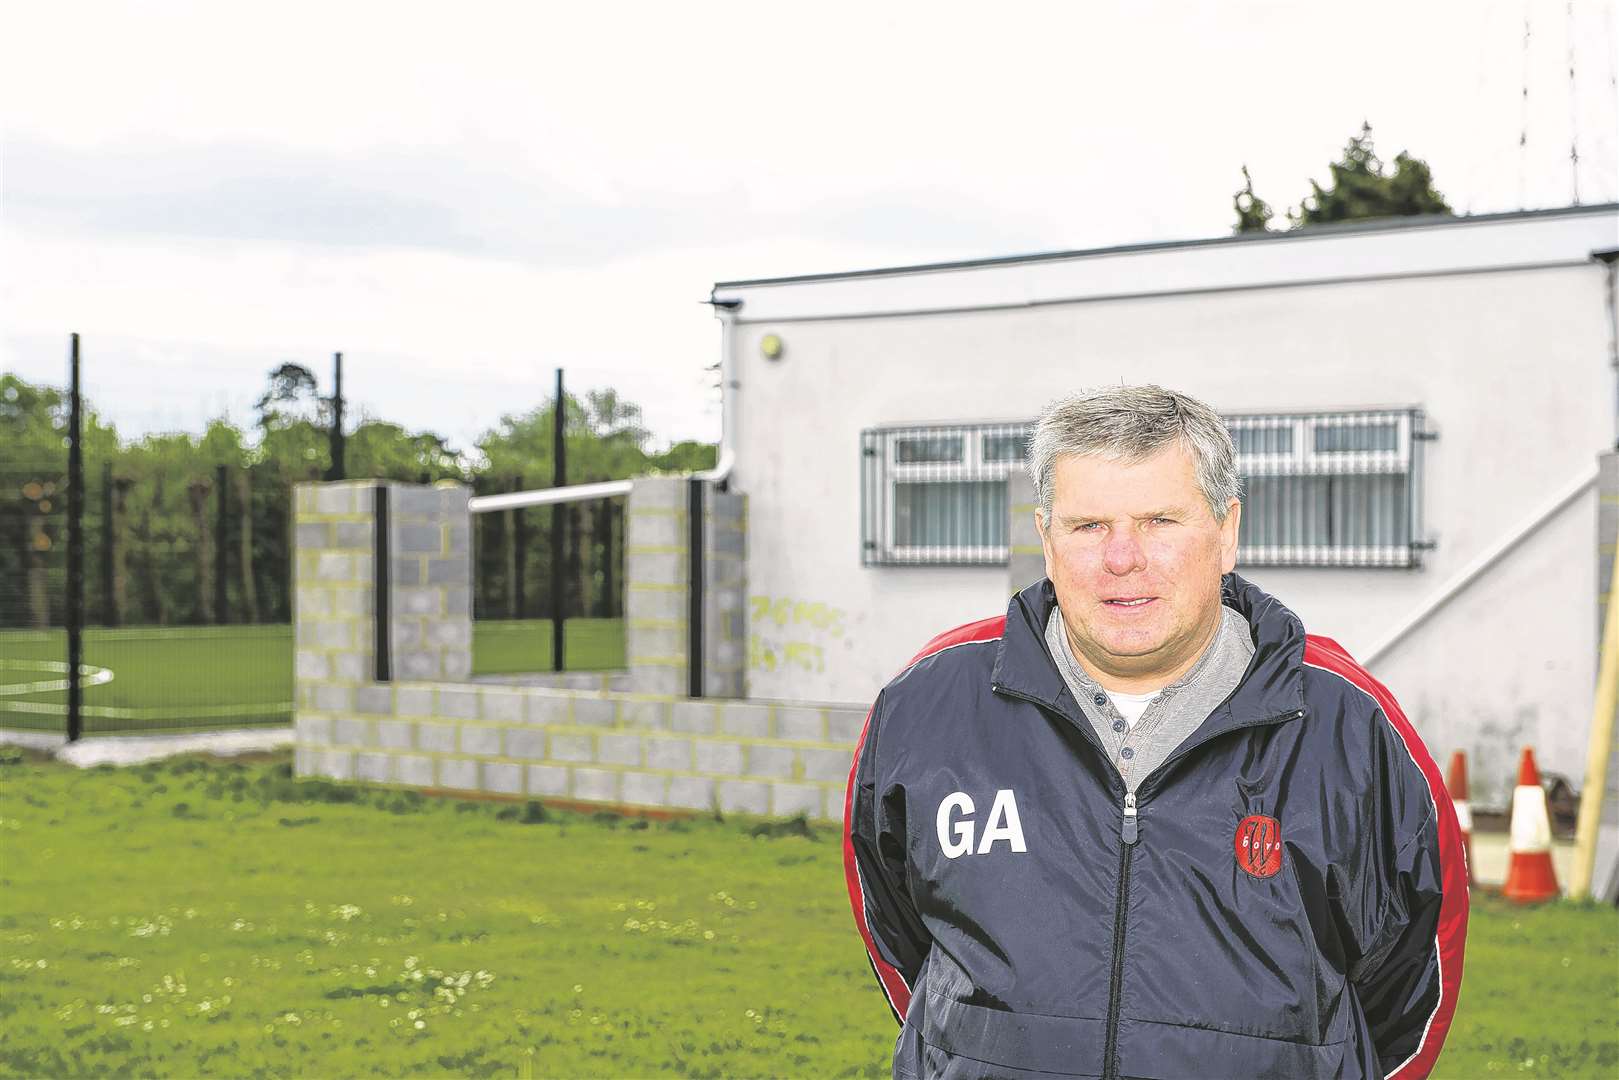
[772, 347]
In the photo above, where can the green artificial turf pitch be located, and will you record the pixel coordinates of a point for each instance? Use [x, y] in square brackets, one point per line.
[198, 918]
[168, 678]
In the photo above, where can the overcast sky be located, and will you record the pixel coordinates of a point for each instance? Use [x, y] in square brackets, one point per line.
[464, 197]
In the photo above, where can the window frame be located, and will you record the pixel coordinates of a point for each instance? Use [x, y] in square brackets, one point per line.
[878, 541]
[881, 469]
[1303, 460]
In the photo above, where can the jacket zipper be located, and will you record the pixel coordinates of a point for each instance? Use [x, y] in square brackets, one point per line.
[1129, 834]
[1115, 987]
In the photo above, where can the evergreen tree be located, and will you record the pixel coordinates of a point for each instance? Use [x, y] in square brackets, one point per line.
[1361, 188]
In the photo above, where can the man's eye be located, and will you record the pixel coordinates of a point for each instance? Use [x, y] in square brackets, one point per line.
[1163, 521]
[1089, 526]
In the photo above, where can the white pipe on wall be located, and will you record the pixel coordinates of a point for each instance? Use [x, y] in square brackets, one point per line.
[516, 500]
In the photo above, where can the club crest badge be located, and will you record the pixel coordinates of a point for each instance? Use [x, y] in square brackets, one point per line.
[1259, 845]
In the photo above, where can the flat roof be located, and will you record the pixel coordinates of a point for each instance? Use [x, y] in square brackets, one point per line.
[1307, 232]
[1416, 245]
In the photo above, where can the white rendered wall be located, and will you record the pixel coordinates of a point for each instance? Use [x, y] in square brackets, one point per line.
[1513, 368]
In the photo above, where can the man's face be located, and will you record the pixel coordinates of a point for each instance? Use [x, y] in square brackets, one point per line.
[1136, 558]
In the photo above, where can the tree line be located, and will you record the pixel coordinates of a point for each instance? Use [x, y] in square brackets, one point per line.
[188, 529]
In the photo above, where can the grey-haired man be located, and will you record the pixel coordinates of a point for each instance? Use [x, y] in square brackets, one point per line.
[1143, 824]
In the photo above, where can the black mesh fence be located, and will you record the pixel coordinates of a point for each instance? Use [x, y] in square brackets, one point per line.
[513, 602]
[33, 592]
[187, 548]
[186, 588]
[187, 595]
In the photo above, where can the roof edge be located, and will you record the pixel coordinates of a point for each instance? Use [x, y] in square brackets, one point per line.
[1309, 232]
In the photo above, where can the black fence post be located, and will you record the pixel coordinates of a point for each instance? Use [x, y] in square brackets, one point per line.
[694, 614]
[559, 538]
[381, 567]
[75, 554]
[336, 472]
[221, 548]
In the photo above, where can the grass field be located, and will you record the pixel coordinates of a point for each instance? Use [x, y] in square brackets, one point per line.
[194, 918]
[507, 645]
[163, 678]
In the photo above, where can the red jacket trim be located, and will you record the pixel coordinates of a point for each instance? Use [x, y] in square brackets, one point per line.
[895, 988]
[1328, 655]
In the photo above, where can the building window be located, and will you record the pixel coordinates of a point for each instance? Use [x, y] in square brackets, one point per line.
[937, 494]
[1330, 489]
[1320, 489]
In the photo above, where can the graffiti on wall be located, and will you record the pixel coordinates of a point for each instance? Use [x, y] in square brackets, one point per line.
[790, 634]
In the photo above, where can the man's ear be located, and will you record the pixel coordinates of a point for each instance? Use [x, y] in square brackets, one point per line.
[1229, 529]
[1045, 541]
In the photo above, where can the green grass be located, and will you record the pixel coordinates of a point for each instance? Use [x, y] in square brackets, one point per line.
[320, 931]
[1540, 992]
[193, 918]
[507, 645]
[161, 677]
[166, 678]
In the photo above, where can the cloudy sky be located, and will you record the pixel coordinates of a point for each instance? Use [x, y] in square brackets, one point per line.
[464, 197]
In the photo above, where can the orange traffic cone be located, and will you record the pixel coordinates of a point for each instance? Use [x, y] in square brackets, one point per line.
[1456, 784]
[1530, 877]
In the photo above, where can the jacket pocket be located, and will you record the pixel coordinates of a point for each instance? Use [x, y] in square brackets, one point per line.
[1168, 1051]
[1035, 1043]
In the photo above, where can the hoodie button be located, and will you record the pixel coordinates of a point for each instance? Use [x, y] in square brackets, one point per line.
[1118, 725]
[1099, 697]
[1127, 753]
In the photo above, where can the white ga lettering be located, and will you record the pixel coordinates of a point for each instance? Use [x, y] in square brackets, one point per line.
[956, 837]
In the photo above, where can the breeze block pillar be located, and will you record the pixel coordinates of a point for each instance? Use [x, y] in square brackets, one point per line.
[429, 582]
[1026, 563]
[427, 600]
[725, 595]
[658, 588]
[333, 605]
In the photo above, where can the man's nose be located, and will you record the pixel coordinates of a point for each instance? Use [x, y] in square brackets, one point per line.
[1123, 553]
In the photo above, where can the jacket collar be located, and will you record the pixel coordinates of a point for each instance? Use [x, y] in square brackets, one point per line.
[1271, 688]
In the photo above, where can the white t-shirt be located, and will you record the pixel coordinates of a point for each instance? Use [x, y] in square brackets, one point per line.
[1131, 706]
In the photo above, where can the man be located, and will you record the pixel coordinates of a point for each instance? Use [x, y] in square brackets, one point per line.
[1143, 825]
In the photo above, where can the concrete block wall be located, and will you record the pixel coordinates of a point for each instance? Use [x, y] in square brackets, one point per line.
[432, 726]
[634, 750]
[725, 595]
[334, 592]
[430, 581]
[657, 580]
[565, 680]
[657, 584]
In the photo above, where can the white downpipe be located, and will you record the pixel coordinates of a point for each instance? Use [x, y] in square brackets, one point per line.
[722, 467]
[729, 385]
[1488, 558]
[516, 500]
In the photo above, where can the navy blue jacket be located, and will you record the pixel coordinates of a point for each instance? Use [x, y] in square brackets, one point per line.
[1287, 896]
